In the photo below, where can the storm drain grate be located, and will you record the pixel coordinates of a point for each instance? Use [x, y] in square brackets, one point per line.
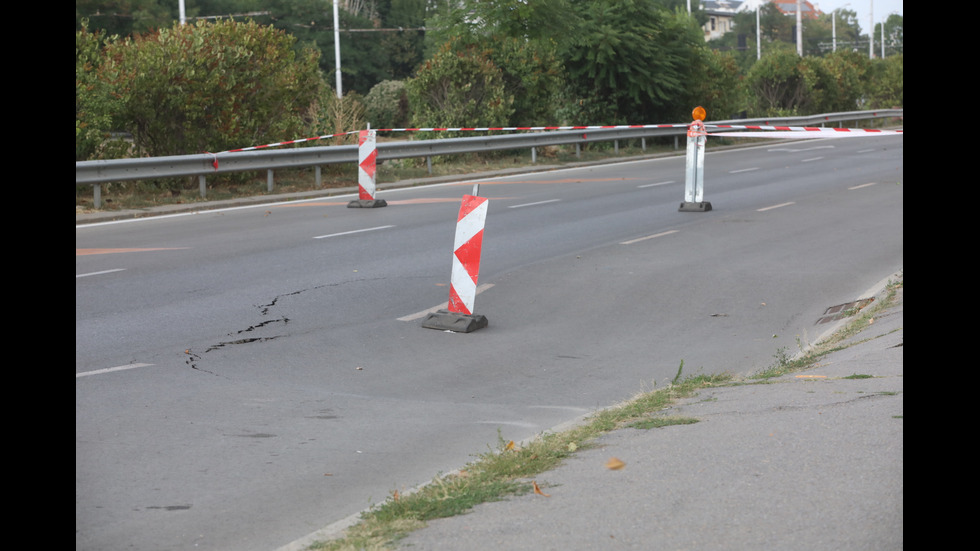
[845, 310]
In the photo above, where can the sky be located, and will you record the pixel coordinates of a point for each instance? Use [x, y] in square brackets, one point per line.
[863, 8]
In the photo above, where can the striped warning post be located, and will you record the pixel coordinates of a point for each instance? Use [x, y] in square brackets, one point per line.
[367, 163]
[466, 253]
[467, 249]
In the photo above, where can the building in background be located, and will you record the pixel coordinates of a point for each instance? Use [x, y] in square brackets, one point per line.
[721, 17]
[788, 7]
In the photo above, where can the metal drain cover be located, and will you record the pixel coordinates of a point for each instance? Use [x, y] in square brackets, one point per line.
[845, 310]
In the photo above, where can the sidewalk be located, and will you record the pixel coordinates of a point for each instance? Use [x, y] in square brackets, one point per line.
[810, 461]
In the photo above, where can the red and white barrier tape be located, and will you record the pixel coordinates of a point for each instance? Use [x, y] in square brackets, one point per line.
[759, 132]
[797, 132]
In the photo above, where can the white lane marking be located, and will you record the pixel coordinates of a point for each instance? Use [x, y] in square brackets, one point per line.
[661, 234]
[862, 185]
[442, 306]
[110, 370]
[533, 204]
[100, 273]
[657, 184]
[351, 232]
[776, 206]
[811, 159]
[743, 170]
[800, 149]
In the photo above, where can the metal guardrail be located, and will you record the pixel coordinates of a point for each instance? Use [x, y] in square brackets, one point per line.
[201, 165]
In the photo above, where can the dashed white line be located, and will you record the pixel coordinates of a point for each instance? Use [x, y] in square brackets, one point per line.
[657, 184]
[99, 273]
[533, 204]
[661, 234]
[352, 232]
[743, 170]
[811, 159]
[862, 185]
[110, 370]
[763, 209]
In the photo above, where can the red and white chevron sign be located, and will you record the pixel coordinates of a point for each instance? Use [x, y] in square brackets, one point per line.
[367, 157]
[466, 253]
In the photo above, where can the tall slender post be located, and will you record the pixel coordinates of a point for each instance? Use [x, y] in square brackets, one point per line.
[694, 177]
[336, 47]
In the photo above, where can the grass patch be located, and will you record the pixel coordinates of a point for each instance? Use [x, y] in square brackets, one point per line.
[506, 471]
[660, 422]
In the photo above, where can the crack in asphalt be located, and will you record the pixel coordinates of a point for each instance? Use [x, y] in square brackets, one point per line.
[264, 310]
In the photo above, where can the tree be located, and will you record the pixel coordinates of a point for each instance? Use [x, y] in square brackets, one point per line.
[124, 17]
[894, 35]
[777, 83]
[371, 50]
[517, 37]
[93, 107]
[630, 61]
[886, 83]
[459, 88]
[210, 87]
[848, 73]
[717, 85]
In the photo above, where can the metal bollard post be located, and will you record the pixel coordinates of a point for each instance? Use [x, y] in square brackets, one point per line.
[694, 176]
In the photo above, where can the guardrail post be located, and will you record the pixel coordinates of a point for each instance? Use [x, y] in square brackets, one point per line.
[694, 176]
[97, 196]
[367, 157]
[269, 180]
[459, 316]
[202, 185]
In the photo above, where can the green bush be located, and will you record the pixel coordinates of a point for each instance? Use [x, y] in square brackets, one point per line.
[209, 87]
[459, 87]
[93, 119]
[386, 105]
[886, 90]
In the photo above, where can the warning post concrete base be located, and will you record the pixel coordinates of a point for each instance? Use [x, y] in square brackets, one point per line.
[445, 320]
[703, 206]
[367, 203]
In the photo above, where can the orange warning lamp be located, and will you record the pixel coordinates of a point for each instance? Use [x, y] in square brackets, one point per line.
[698, 113]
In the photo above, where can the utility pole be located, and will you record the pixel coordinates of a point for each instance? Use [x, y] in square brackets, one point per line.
[336, 47]
[871, 31]
[799, 27]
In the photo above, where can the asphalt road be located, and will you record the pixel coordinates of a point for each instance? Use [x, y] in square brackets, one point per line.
[273, 376]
